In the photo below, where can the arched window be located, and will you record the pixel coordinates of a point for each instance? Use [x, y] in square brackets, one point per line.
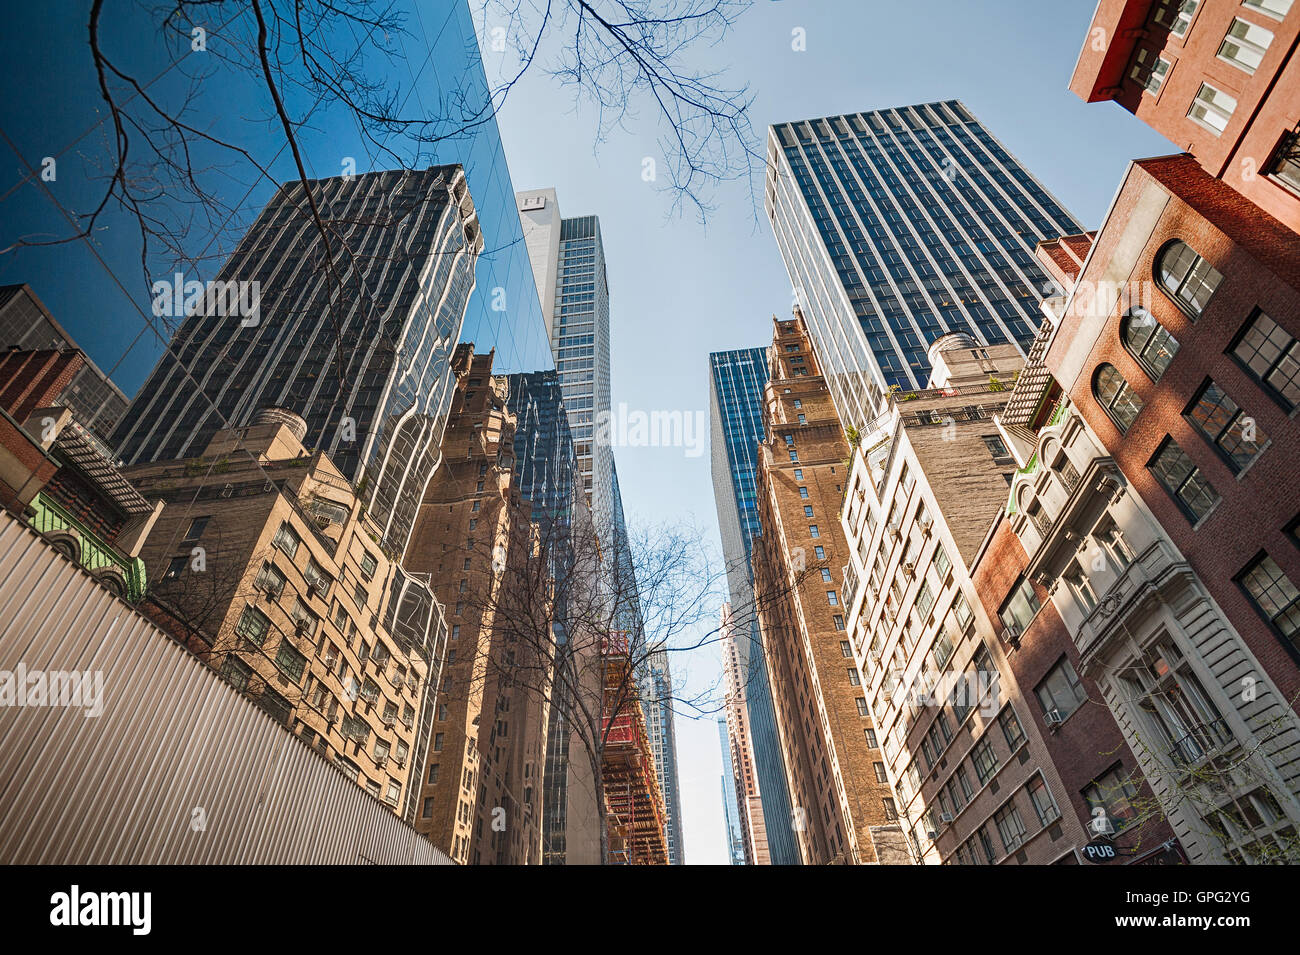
[1113, 393]
[1148, 341]
[1186, 277]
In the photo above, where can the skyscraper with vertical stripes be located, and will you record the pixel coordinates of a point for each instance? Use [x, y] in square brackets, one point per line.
[353, 331]
[898, 226]
[736, 381]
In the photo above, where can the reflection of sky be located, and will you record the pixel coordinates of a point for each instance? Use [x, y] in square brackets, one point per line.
[59, 113]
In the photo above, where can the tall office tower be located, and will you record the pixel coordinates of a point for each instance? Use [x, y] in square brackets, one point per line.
[657, 701]
[730, 811]
[353, 334]
[753, 829]
[842, 802]
[736, 380]
[26, 323]
[568, 260]
[899, 226]
[544, 455]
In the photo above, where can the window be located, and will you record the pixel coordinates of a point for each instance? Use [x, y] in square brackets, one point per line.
[1020, 607]
[433, 772]
[881, 776]
[832, 598]
[854, 678]
[290, 661]
[803, 418]
[175, 567]
[1285, 164]
[287, 539]
[252, 625]
[838, 620]
[1274, 596]
[997, 447]
[1060, 693]
[236, 672]
[798, 474]
[1080, 587]
[270, 580]
[1011, 730]
[820, 551]
[794, 455]
[1236, 436]
[1212, 108]
[437, 742]
[826, 574]
[807, 510]
[196, 529]
[1176, 15]
[426, 810]
[872, 742]
[1245, 45]
[1044, 804]
[368, 565]
[803, 493]
[1147, 341]
[984, 760]
[304, 621]
[862, 706]
[1112, 391]
[1272, 357]
[1112, 792]
[813, 531]
[1186, 277]
[1183, 480]
[1277, 9]
[846, 648]
[1149, 69]
[1010, 826]
[891, 811]
[316, 577]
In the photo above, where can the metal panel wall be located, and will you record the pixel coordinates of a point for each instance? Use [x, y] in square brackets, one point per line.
[178, 767]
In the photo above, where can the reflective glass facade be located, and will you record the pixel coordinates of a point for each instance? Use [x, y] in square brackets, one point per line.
[898, 226]
[736, 382]
[730, 809]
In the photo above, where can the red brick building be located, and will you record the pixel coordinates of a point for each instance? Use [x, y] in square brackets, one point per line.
[1218, 78]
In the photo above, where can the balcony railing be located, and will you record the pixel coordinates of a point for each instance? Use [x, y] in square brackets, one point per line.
[94, 554]
[1201, 742]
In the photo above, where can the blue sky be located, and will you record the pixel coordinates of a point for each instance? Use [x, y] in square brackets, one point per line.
[679, 288]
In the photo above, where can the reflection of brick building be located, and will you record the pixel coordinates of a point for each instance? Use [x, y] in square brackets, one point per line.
[841, 801]
[265, 564]
[481, 793]
[753, 827]
[1218, 79]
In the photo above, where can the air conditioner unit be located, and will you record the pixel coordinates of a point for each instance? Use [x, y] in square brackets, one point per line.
[381, 762]
[926, 524]
[909, 568]
[945, 817]
[401, 763]
[228, 490]
[300, 626]
[390, 720]
[312, 591]
[1011, 635]
[1054, 718]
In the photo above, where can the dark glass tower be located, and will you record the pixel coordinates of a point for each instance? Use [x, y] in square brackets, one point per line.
[736, 382]
[354, 334]
[898, 226]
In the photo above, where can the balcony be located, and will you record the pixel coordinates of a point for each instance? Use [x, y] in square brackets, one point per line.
[1201, 743]
[1157, 574]
[124, 576]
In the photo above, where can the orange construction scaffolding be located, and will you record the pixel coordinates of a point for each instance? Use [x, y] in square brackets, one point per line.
[633, 803]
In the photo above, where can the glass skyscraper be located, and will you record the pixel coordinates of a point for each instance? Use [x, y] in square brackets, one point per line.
[736, 382]
[730, 810]
[359, 347]
[898, 226]
[568, 260]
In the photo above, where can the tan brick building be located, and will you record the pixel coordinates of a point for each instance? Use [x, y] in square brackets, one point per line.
[265, 564]
[837, 783]
[481, 793]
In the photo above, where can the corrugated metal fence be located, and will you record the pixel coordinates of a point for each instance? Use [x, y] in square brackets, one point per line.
[177, 768]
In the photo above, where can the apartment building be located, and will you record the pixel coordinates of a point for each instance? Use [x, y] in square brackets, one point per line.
[837, 781]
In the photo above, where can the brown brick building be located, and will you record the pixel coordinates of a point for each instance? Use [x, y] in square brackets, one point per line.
[265, 564]
[840, 795]
[480, 798]
[1218, 78]
[1176, 349]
